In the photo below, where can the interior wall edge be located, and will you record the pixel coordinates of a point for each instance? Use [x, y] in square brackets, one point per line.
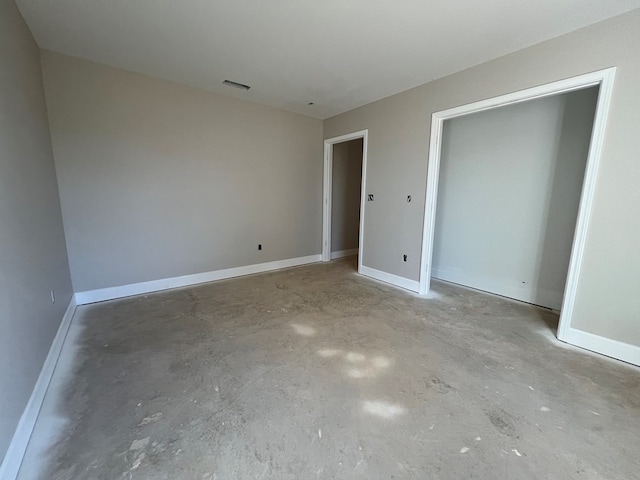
[344, 253]
[122, 291]
[391, 279]
[602, 345]
[35, 282]
[544, 298]
[13, 458]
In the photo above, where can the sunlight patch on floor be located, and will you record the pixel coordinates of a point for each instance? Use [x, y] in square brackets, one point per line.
[382, 409]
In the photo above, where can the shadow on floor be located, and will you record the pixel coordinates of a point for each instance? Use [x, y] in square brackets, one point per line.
[550, 319]
[351, 261]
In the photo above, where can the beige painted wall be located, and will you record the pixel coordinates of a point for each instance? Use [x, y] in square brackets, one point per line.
[508, 193]
[33, 258]
[345, 195]
[159, 180]
[607, 301]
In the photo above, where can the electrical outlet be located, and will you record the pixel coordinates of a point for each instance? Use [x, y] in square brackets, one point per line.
[404, 258]
[370, 197]
[259, 246]
[408, 198]
[53, 296]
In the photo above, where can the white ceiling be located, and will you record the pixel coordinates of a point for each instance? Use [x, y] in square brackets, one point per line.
[339, 54]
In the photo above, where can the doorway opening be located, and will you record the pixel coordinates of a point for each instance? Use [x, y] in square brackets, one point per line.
[508, 194]
[343, 198]
[603, 80]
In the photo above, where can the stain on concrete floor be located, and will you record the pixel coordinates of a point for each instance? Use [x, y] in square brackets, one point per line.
[318, 373]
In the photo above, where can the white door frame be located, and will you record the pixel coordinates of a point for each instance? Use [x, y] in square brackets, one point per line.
[328, 185]
[603, 78]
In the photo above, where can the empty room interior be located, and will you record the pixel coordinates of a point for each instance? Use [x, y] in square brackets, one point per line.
[332, 240]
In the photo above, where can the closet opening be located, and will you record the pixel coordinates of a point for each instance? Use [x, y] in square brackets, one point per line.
[509, 192]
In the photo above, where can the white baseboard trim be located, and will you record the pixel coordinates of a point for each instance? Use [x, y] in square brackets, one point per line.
[111, 293]
[544, 298]
[604, 346]
[343, 253]
[18, 446]
[395, 280]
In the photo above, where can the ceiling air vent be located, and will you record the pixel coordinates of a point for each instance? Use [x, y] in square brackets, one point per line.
[241, 86]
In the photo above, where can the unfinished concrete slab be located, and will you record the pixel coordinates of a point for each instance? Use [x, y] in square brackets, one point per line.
[316, 372]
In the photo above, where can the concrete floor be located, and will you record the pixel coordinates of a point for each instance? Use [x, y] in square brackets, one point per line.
[316, 372]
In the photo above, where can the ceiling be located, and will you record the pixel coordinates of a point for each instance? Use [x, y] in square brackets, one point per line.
[338, 54]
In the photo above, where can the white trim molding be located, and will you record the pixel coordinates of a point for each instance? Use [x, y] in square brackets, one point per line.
[344, 253]
[391, 279]
[327, 189]
[602, 345]
[111, 293]
[18, 446]
[602, 78]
